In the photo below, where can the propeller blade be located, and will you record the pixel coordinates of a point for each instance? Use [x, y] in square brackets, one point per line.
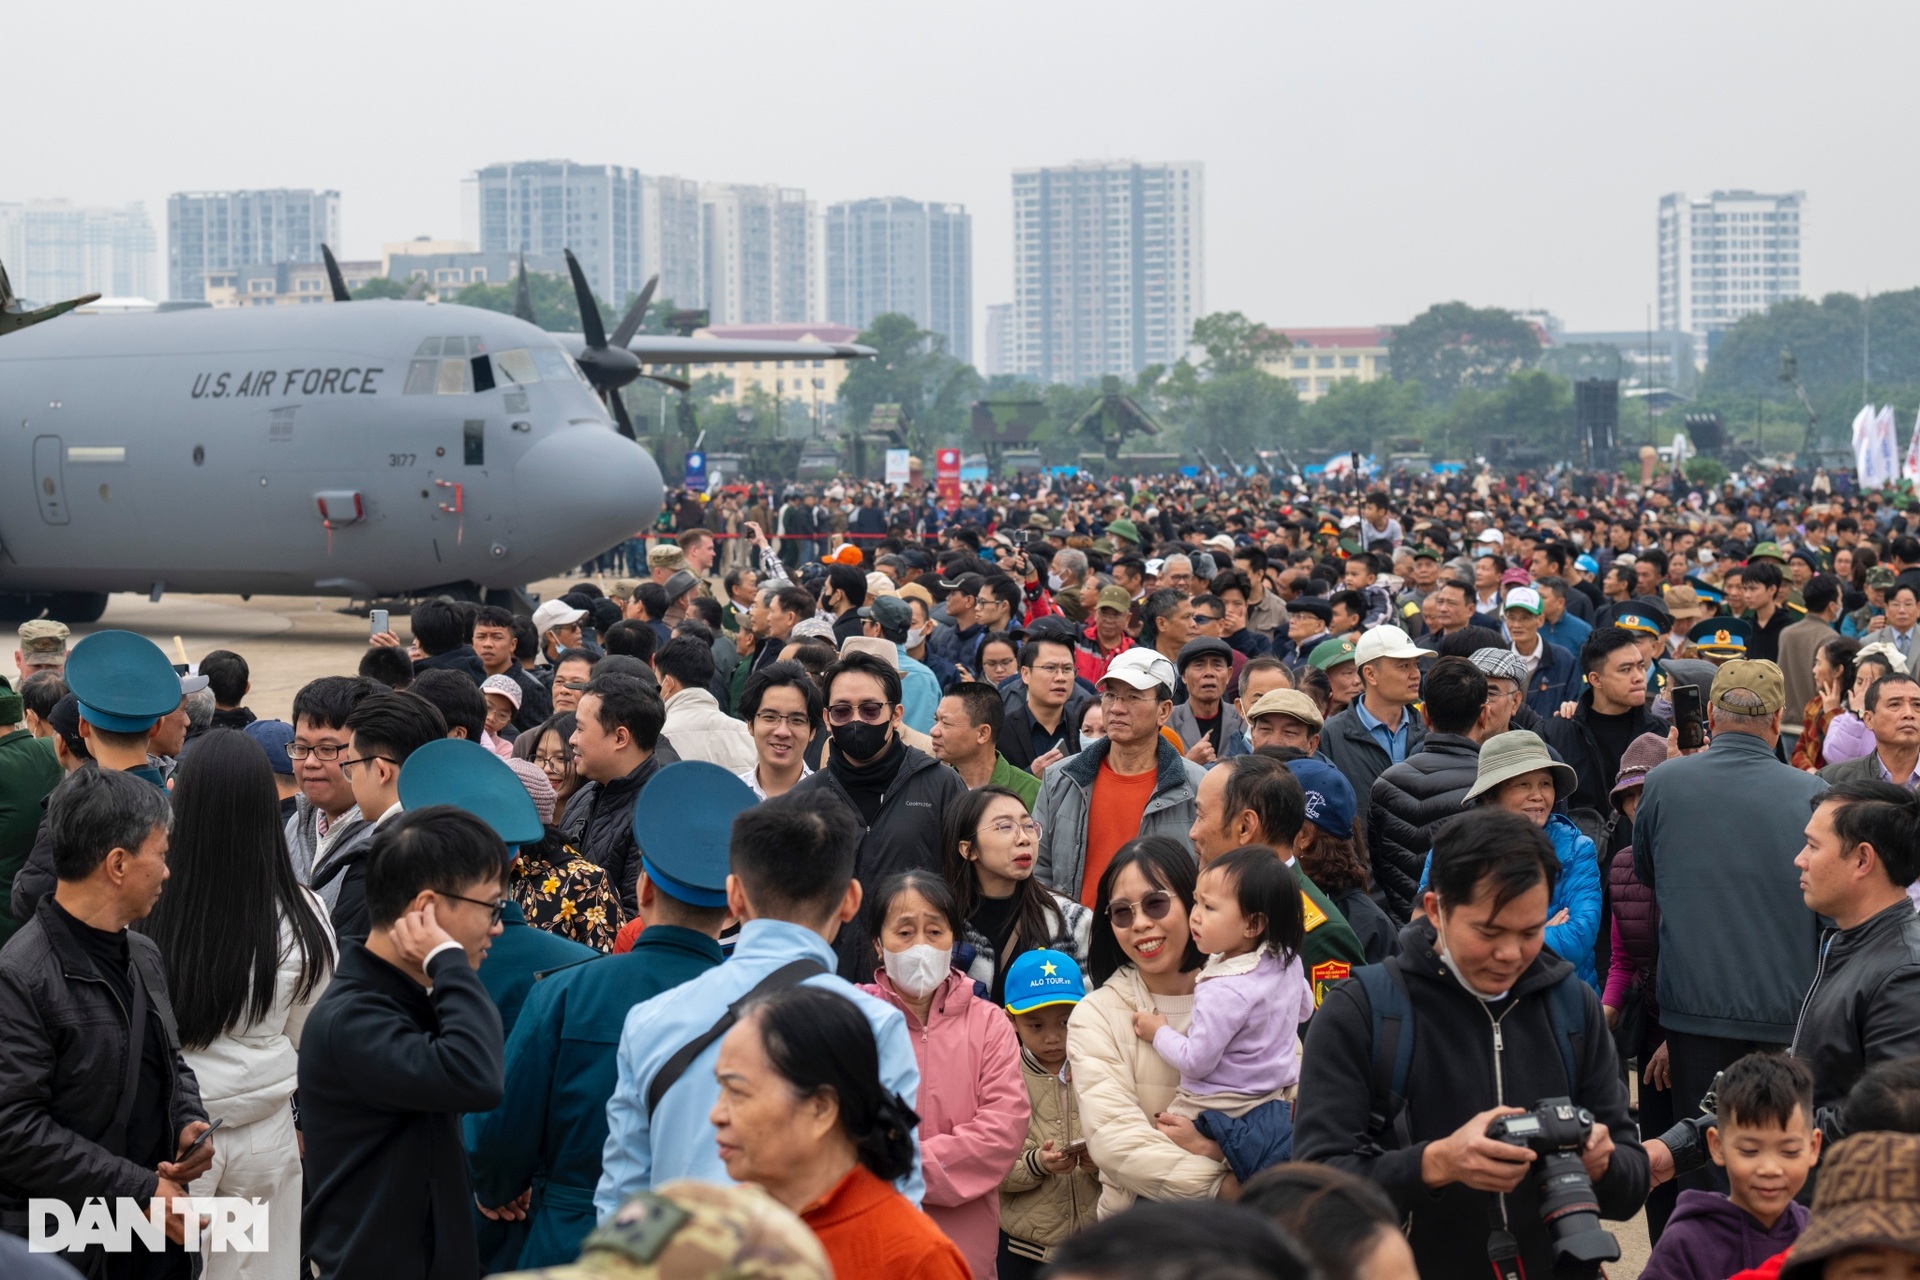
[417, 290]
[678, 384]
[522, 296]
[592, 327]
[618, 404]
[334, 278]
[636, 314]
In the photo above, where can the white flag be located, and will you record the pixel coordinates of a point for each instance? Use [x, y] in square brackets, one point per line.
[1912, 469]
[1862, 443]
[1886, 443]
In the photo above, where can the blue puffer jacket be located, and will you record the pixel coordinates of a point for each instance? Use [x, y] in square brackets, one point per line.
[1576, 890]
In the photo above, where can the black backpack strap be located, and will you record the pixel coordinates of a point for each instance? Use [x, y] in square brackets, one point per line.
[115, 1138]
[1392, 1018]
[791, 974]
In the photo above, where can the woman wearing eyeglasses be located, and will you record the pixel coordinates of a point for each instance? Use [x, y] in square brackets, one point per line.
[1145, 961]
[548, 746]
[987, 847]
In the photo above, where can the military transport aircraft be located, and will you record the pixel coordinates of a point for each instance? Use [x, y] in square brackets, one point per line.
[384, 448]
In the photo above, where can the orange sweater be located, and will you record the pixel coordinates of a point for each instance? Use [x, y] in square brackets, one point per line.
[872, 1232]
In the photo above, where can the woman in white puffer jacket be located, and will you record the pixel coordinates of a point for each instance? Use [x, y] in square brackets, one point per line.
[248, 953]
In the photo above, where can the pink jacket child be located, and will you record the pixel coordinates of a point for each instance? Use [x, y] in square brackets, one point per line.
[1239, 1049]
[973, 1109]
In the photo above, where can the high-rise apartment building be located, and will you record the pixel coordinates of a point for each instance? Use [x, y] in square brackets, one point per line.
[545, 206]
[670, 239]
[213, 230]
[997, 358]
[1725, 256]
[758, 247]
[55, 250]
[1109, 267]
[905, 256]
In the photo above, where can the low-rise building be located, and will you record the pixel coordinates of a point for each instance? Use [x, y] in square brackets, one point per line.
[1319, 358]
[281, 284]
[813, 383]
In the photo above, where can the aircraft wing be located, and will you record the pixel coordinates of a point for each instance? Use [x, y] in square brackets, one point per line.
[14, 316]
[659, 349]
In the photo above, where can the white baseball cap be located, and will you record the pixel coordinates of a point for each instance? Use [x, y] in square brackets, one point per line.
[1383, 641]
[1141, 668]
[555, 613]
[1523, 598]
[1491, 537]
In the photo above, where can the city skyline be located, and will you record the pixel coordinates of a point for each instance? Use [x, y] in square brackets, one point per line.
[1363, 162]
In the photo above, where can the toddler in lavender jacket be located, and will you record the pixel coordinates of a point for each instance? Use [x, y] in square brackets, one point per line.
[1241, 1046]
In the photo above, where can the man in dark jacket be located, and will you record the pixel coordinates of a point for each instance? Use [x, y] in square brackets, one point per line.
[1862, 851]
[614, 736]
[1612, 712]
[898, 793]
[95, 1098]
[385, 729]
[1552, 675]
[1715, 838]
[1380, 728]
[28, 772]
[1044, 704]
[1413, 797]
[1482, 993]
[405, 1040]
[440, 629]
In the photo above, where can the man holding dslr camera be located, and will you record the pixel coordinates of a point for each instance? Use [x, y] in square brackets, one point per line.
[1510, 1041]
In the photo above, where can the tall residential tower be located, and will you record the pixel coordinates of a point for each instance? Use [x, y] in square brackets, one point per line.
[1109, 266]
[906, 256]
[216, 230]
[1724, 256]
[54, 250]
[545, 206]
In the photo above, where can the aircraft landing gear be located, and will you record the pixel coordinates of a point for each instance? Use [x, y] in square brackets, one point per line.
[71, 607]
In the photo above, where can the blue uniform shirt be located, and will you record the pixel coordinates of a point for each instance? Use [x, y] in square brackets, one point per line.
[678, 1142]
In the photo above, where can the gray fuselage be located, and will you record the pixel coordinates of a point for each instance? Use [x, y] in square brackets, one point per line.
[209, 450]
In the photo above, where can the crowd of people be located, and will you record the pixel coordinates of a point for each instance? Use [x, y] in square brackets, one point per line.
[1410, 876]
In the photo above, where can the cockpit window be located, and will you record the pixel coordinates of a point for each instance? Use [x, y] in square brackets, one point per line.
[515, 365]
[554, 365]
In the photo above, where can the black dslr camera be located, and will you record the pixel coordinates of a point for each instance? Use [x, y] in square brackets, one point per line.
[1556, 1130]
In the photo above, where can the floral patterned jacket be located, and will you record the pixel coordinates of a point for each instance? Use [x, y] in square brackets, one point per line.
[572, 898]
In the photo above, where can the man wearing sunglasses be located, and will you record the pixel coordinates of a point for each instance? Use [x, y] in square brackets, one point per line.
[898, 793]
[1134, 782]
[384, 729]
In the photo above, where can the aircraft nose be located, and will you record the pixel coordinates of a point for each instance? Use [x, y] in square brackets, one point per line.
[580, 491]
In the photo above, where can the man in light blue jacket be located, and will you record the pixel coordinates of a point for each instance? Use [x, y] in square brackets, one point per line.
[792, 860]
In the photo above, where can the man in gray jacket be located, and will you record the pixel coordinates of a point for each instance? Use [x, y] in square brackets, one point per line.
[1093, 802]
[1715, 838]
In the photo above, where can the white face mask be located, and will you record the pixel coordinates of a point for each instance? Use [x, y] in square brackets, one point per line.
[918, 970]
[914, 636]
[1055, 582]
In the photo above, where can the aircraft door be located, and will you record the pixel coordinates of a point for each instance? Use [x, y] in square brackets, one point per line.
[49, 481]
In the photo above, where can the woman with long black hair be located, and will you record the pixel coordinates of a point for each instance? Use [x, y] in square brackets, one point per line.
[988, 845]
[248, 952]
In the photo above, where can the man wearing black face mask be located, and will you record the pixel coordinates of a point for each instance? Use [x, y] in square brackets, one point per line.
[899, 794]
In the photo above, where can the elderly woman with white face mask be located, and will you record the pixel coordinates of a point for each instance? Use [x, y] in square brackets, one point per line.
[973, 1101]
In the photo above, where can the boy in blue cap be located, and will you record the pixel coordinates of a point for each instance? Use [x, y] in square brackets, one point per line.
[1053, 1189]
[561, 1066]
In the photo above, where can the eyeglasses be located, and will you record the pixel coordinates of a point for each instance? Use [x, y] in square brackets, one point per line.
[1203, 619]
[327, 751]
[553, 764]
[345, 765]
[869, 712]
[1007, 826]
[496, 908]
[1134, 696]
[797, 722]
[1055, 669]
[1156, 903]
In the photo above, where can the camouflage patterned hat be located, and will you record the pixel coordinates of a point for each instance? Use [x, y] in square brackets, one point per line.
[697, 1231]
[43, 643]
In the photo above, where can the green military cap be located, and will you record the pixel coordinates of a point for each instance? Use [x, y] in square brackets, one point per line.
[1767, 551]
[1329, 654]
[1426, 551]
[1880, 577]
[696, 1231]
[1721, 637]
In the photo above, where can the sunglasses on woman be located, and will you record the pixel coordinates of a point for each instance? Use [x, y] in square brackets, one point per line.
[1155, 904]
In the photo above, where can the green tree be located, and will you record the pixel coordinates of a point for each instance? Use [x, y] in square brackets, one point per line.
[381, 287]
[911, 368]
[1535, 407]
[1355, 415]
[1452, 347]
[1234, 343]
[555, 308]
[1243, 411]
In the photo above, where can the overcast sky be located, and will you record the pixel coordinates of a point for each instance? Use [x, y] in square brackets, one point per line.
[1363, 160]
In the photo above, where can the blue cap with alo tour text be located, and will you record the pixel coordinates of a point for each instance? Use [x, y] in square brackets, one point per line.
[1037, 979]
